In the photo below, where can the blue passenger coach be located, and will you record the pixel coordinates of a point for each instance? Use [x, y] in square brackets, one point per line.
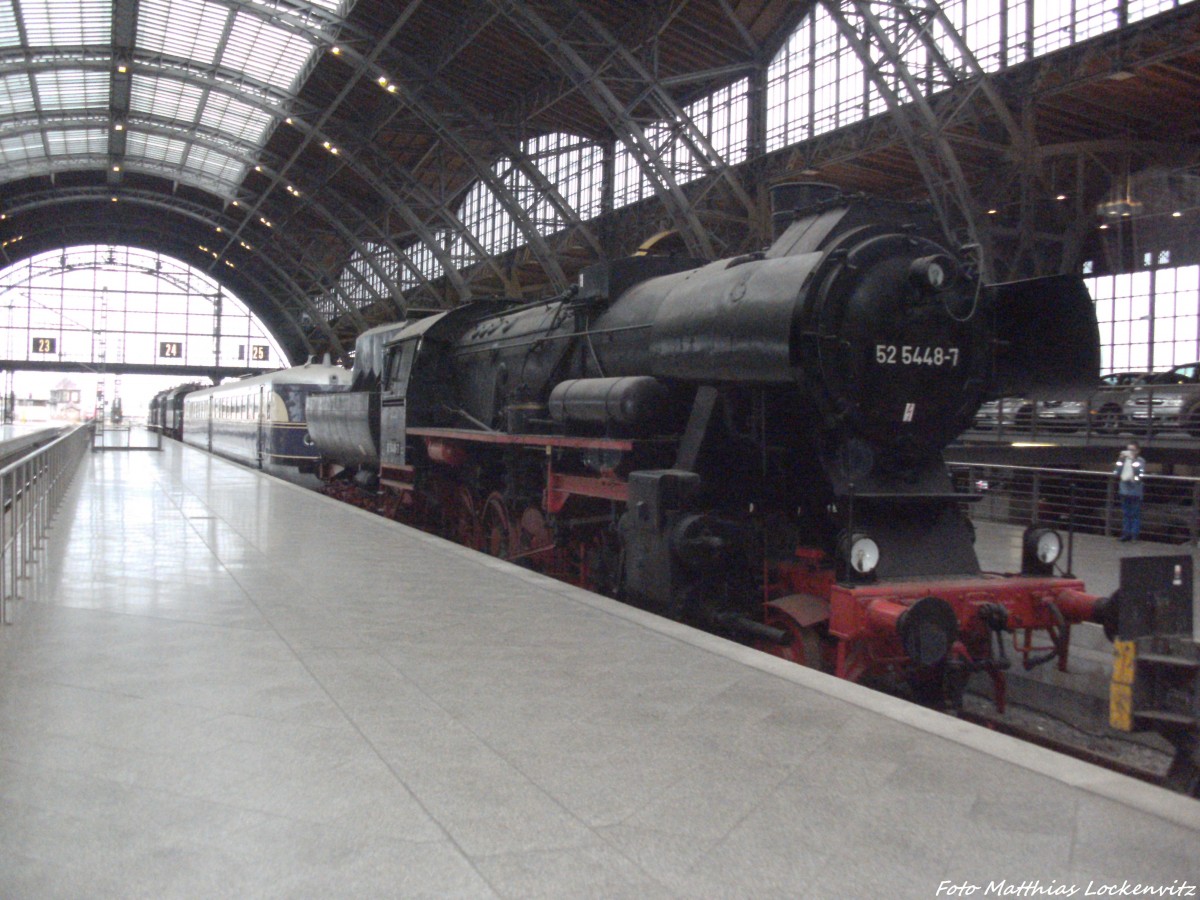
[260, 420]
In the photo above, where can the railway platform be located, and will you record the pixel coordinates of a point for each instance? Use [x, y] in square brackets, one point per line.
[18, 440]
[221, 684]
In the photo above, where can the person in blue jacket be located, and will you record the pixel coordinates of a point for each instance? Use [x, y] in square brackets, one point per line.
[1129, 470]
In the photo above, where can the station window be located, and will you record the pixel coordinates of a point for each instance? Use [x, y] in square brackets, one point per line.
[122, 305]
[722, 117]
[1149, 320]
[816, 82]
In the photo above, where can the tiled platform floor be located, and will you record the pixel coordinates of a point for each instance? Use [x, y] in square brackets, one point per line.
[221, 685]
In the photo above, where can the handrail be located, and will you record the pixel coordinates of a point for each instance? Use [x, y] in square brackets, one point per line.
[1085, 500]
[31, 489]
[1095, 473]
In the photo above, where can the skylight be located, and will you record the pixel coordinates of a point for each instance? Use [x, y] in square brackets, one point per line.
[202, 73]
[69, 23]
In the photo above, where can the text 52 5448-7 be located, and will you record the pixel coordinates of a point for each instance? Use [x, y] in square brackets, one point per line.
[907, 355]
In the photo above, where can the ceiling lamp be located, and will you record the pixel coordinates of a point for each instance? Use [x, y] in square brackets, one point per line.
[1123, 206]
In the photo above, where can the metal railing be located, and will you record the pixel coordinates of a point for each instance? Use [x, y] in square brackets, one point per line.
[30, 491]
[121, 437]
[1081, 501]
[1165, 413]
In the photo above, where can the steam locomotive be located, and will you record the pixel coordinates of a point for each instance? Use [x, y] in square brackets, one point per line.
[751, 445]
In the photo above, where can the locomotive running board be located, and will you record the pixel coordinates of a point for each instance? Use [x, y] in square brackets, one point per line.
[1047, 340]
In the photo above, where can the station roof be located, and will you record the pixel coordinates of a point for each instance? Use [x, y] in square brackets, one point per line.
[273, 142]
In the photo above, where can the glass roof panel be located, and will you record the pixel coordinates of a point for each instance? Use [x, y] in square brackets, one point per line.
[16, 96]
[155, 146]
[9, 36]
[21, 148]
[215, 164]
[61, 89]
[70, 23]
[165, 98]
[265, 52]
[191, 29]
[185, 50]
[226, 114]
[78, 142]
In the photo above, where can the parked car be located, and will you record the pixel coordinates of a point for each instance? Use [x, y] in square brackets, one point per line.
[1008, 412]
[1107, 405]
[1101, 411]
[1061, 415]
[1166, 400]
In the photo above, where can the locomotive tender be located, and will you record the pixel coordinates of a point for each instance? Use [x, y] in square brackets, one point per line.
[751, 445]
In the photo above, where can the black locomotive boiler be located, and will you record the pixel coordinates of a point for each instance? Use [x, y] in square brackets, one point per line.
[752, 445]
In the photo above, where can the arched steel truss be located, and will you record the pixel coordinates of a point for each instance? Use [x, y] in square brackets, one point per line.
[288, 257]
[400, 197]
[245, 154]
[571, 47]
[928, 108]
[282, 286]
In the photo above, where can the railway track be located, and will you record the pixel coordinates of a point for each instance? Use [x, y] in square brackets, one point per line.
[1105, 749]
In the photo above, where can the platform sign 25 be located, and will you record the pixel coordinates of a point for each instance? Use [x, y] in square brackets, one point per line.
[45, 345]
[170, 349]
[260, 352]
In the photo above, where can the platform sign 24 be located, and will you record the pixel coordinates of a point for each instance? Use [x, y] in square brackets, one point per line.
[170, 349]
[45, 345]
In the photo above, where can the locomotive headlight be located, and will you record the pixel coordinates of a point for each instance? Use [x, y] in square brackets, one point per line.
[931, 273]
[1049, 547]
[1040, 550]
[863, 554]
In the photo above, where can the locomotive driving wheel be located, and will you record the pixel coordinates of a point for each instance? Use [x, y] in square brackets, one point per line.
[496, 532]
[462, 517]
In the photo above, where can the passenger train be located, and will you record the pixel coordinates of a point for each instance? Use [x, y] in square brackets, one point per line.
[166, 410]
[258, 420]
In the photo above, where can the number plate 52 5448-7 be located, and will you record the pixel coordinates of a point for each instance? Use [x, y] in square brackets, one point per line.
[909, 355]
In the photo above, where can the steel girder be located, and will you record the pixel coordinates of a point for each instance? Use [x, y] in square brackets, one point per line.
[882, 54]
[284, 283]
[483, 168]
[365, 65]
[455, 43]
[59, 163]
[201, 138]
[213, 82]
[317, 131]
[571, 47]
[486, 125]
[323, 31]
[124, 36]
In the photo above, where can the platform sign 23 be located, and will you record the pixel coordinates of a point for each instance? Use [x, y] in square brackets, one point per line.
[170, 349]
[45, 345]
